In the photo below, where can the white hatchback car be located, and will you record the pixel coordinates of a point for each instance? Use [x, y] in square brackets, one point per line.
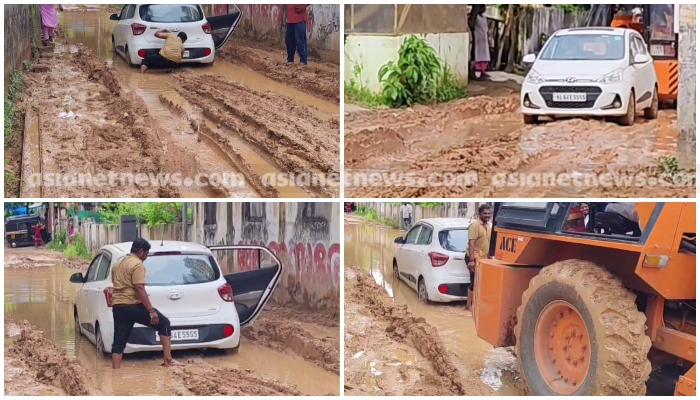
[133, 37]
[430, 259]
[184, 281]
[594, 72]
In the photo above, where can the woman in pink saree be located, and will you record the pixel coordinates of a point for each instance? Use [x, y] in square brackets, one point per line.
[49, 21]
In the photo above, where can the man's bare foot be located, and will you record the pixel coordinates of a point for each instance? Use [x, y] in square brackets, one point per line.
[170, 363]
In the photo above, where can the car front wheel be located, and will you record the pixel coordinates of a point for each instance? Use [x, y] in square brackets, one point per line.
[653, 111]
[396, 270]
[78, 332]
[628, 119]
[529, 119]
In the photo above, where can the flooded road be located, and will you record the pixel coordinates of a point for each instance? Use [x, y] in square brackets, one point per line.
[41, 293]
[206, 120]
[371, 250]
[484, 136]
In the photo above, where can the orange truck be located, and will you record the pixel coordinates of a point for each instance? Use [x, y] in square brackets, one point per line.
[591, 295]
[659, 24]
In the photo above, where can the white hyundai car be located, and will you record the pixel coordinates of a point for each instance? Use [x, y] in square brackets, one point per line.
[430, 259]
[592, 72]
[133, 37]
[184, 281]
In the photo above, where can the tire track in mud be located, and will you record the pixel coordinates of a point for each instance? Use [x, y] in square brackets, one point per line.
[317, 78]
[281, 333]
[31, 351]
[285, 134]
[482, 135]
[404, 327]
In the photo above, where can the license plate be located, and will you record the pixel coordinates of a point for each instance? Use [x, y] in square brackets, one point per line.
[186, 55]
[187, 334]
[576, 97]
[657, 50]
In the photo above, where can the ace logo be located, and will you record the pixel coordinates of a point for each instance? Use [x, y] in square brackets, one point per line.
[508, 244]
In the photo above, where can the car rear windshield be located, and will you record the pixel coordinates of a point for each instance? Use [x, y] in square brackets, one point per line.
[454, 240]
[171, 13]
[180, 269]
[585, 48]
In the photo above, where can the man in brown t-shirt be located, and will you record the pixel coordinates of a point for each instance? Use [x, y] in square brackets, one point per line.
[130, 303]
[170, 55]
[479, 241]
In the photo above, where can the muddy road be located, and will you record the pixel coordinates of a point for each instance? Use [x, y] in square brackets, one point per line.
[299, 356]
[484, 136]
[237, 128]
[394, 345]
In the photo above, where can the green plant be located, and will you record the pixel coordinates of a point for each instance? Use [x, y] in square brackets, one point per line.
[357, 93]
[668, 165]
[78, 249]
[59, 242]
[418, 77]
[151, 214]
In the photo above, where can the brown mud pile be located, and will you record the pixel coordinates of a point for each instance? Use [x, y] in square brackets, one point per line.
[285, 333]
[202, 379]
[319, 79]
[43, 259]
[484, 138]
[285, 134]
[42, 361]
[406, 328]
[89, 125]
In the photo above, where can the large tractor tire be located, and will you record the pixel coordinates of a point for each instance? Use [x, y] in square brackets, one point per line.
[579, 333]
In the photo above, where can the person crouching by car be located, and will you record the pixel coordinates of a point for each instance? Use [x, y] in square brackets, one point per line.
[170, 55]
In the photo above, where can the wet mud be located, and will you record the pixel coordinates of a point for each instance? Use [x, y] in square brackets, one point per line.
[37, 367]
[485, 136]
[37, 289]
[318, 78]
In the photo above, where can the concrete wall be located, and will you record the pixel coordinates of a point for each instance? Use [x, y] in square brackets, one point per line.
[304, 236]
[448, 210]
[370, 53]
[266, 22]
[18, 36]
[687, 88]
[98, 235]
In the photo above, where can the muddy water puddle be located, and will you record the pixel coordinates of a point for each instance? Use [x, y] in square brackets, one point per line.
[44, 296]
[372, 249]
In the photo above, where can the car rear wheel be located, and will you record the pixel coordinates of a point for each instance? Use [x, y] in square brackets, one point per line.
[422, 291]
[127, 57]
[99, 343]
[529, 119]
[628, 119]
[653, 111]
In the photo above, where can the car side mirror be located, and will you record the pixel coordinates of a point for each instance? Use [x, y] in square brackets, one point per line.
[529, 59]
[114, 17]
[641, 59]
[399, 240]
[77, 278]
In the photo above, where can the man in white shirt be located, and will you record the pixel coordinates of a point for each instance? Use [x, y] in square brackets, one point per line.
[406, 213]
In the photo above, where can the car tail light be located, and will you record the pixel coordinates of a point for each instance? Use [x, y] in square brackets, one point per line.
[207, 52]
[109, 292]
[437, 259]
[142, 54]
[226, 292]
[442, 289]
[206, 28]
[138, 29]
[228, 331]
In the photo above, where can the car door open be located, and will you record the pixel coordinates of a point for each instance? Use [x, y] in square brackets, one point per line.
[223, 26]
[254, 287]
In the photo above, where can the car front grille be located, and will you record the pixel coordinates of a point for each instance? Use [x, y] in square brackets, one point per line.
[592, 94]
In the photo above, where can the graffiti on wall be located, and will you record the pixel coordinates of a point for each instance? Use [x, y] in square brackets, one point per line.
[329, 26]
[300, 260]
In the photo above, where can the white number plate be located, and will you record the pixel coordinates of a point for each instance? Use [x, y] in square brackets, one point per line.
[657, 50]
[187, 54]
[189, 334]
[577, 97]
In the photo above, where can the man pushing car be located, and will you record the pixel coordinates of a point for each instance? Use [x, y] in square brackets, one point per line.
[170, 55]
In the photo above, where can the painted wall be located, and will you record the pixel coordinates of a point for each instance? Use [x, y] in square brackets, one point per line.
[370, 53]
[18, 36]
[304, 236]
[266, 22]
[687, 88]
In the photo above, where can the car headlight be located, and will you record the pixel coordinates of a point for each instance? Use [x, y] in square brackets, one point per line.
[613, 77]
[533, 77]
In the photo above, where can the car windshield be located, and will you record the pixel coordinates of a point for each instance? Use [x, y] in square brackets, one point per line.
[454, 240]
[170, 13]
[180, 269]
[584, 48]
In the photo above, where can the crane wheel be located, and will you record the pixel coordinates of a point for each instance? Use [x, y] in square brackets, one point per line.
[579, 333]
